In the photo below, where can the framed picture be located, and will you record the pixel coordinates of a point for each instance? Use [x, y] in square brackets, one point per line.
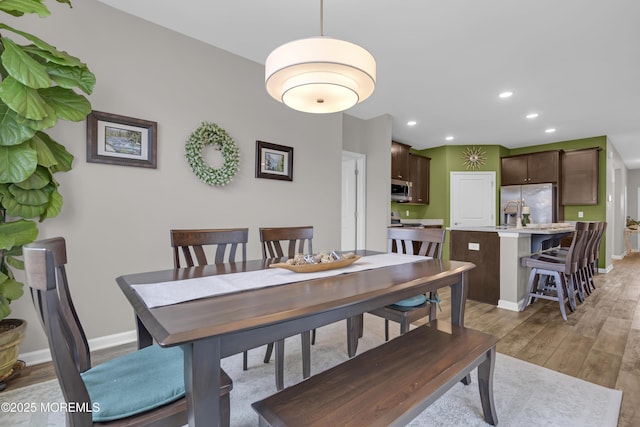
[274, 161]
[120, 140]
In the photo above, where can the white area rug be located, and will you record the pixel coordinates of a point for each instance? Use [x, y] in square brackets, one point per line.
[525, 394]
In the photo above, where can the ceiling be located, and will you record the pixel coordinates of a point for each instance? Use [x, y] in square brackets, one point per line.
[443, 63]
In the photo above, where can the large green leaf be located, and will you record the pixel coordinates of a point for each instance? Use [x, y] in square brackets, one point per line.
[45, 157]
[67, 104]
[12, 132]
[11, 289]
[22, 211]
[17, 162]
[39, 179]
[22, 99]
[46, 123]
[30, 197]
[56, 56]
[70, 77]
[20, 232]
[4, 307]
[54, 206]
[64, 159]
[23, 67]
[20, 7]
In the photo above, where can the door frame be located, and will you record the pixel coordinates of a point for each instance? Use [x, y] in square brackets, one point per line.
[360, 167]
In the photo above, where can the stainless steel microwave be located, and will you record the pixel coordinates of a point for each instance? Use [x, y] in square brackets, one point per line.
[401, 191]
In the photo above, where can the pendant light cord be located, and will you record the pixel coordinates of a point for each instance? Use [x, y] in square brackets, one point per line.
[321, 18]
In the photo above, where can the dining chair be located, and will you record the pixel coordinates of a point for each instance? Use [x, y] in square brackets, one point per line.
[145, 387]
[190, 246]
[279, 242]
[425, 242]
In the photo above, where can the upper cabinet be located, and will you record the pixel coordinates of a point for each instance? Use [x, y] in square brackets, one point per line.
[399, 161]
[419, 176]
[533, 168]
[580, 177]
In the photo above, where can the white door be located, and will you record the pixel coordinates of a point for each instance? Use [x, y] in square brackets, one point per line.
[473, 199]
[353, 201]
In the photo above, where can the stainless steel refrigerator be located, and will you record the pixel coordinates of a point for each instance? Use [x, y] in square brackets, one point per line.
[541, 199]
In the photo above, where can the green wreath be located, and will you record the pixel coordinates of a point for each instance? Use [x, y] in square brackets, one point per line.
[212, 134]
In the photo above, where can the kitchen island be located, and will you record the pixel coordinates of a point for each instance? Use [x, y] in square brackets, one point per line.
[499, 278]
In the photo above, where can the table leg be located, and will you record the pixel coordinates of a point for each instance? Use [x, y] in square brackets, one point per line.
[354, 331]
[144, 337]
[279, 350]
[202, 381]
[459, 300]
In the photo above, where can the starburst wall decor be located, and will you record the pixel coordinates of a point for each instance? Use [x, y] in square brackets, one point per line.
[473, 157]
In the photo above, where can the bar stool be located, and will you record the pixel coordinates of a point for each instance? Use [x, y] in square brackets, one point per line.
[556, 278]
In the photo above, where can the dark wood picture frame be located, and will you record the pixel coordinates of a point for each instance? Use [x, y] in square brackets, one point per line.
[121, 140]
[274, 161]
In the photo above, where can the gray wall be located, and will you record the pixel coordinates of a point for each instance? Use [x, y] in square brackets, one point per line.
[116, 219]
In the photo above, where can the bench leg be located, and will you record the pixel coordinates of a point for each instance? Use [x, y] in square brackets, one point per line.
[485, 386]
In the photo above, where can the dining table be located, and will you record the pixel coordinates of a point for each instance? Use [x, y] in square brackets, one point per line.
[213, 327]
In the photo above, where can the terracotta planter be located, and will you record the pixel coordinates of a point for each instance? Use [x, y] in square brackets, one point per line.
[11, 335]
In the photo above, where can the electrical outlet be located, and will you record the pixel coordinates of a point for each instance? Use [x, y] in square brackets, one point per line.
[407, 212]
[580, 214]
[474, 246]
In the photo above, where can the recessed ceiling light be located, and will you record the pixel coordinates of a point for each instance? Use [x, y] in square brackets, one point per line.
[411, 123]
[550, 130]
[532, 115]
[449, 138]
[506, 94]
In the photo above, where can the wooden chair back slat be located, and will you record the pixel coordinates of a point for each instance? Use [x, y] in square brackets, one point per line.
[192, 243]
[299, 240]
[428, 240]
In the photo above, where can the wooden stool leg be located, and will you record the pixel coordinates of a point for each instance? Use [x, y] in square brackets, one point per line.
[560, 291]
[485, 386]
[386, 329]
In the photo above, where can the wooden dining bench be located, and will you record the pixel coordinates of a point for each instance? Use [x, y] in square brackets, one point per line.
[391, 384]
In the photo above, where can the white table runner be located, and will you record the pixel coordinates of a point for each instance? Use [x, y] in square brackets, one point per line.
[167, 293]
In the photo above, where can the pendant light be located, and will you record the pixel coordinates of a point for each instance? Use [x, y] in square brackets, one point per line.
[320, 74]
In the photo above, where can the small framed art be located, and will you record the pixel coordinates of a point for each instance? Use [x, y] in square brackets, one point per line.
[274, 161]
[120, 140]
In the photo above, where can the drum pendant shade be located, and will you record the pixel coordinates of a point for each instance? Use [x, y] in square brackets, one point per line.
[320, 74]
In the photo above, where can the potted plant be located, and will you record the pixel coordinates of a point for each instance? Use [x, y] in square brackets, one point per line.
[38, 88]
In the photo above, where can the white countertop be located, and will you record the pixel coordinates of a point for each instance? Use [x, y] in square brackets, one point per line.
[530, 229]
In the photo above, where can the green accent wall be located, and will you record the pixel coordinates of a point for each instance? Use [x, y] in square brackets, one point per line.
[449, 158]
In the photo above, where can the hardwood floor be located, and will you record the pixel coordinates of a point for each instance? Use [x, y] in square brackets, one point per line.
[600, 341]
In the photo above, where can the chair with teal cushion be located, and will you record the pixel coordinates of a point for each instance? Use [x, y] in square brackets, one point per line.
[145, 387]
[413, 241]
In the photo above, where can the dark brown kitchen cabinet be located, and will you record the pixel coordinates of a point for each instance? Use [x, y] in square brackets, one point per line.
[399, 161]
[482, 249]
[419, 177]
[580, 177]
[533, 168]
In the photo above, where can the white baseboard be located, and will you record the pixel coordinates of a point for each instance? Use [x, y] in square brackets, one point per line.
[42, 356]
[508, 305]
[606, 270]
